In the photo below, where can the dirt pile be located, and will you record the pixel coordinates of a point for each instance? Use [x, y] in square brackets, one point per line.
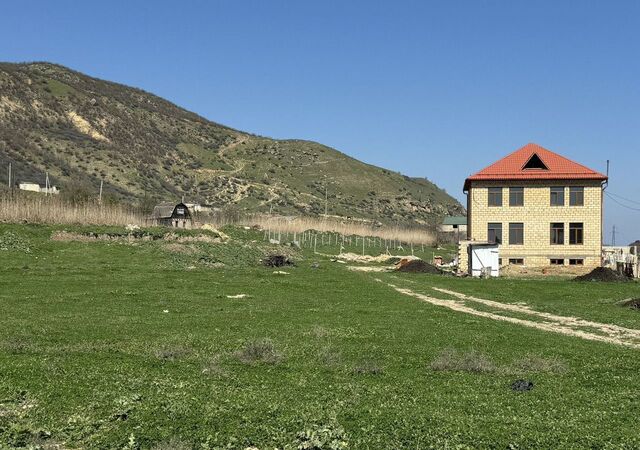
[416, 266]
[277, 261]
[602, 274]
[633, 303]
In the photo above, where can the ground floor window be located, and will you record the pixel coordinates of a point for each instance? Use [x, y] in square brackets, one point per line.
[557, 233]
[557, 262]
[576, 262]
[516, 261]
[494, 232]
[576, 233]
[516, 233]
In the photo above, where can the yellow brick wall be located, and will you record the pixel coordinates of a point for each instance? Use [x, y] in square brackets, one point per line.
[537, 214]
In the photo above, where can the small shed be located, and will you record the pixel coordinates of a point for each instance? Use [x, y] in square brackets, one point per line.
[479, 258]
[172, 215]
[454, 224]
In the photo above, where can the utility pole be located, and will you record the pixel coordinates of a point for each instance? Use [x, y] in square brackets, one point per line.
[46, 183]
[326, 203]
[10, 176]
[613, 236]
[100, 194]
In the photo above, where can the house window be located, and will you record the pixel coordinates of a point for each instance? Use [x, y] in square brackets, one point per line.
[557, 262]
[516, 261]
[576, 233]
[576, 196]
[557, 196]
[516, 196]
[557, 233]
[180, 211]
[516, 233]
[576, 262]
[494, 233]
[495, 196]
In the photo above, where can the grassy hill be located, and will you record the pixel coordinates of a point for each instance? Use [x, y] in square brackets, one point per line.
[83, 130]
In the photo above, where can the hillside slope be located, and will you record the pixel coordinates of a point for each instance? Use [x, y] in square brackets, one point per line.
[83, 130]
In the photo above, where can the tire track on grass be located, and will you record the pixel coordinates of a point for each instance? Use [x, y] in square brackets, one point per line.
[565, 325]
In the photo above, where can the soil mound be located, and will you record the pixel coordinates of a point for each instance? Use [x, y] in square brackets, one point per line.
[633, 303]
[277, 261]
[417, 266]
[602, 274]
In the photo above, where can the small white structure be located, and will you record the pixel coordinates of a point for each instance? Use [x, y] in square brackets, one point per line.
[35, 187]
[484, 259]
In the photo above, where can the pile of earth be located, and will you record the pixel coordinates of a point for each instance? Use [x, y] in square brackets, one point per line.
[416, 266]
[602, 274]
[277, 261]
[633, 303]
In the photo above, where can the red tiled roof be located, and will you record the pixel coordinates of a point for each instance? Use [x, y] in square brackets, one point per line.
[511, 167]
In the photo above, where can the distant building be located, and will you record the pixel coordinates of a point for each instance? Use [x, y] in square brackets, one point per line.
[35, 187]
[172, 215]
[454, 224]
[543, 210]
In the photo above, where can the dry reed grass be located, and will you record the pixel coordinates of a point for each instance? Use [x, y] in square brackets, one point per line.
[346, 227]
[52, 209]
[55, 210]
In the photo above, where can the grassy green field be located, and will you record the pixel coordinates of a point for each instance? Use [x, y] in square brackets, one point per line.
[120, 343]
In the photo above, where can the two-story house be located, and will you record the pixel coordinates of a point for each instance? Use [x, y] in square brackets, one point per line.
[543, 209]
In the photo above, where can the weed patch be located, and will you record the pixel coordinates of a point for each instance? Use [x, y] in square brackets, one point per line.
[368, 367]
[172, 353]
[259, 351]
[534, 363]
[11, 242]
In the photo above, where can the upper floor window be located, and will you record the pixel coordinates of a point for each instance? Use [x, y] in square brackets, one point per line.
[495, 196]
[576, 233]
[516, 234]
[557, 196]
[494, 233]
[576, 196]
[516, 196]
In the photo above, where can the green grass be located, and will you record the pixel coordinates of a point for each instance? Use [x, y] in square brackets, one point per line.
[89, 358]
[58, 88]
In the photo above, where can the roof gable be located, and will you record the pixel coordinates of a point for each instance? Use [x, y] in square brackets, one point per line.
[533, 162]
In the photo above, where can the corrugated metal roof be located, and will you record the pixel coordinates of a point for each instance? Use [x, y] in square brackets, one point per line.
[163, 210]
[456, 220]
[512, 167]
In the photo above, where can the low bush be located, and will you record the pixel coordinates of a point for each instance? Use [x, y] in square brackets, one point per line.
[259, 351]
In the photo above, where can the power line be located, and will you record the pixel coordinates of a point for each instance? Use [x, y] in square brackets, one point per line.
[622, 204]
[622, 198]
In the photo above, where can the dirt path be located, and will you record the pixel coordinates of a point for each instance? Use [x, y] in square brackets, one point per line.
[569, 326]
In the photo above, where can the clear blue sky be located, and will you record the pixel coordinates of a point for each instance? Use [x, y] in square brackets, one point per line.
[428, 89]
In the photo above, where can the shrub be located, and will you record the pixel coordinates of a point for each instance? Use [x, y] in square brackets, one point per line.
[171, 353]
[259, 351]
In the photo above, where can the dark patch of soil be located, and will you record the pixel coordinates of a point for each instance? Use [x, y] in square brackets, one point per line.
[522, 385]
[419, 266]
[393, 260]
[633, 303]
[602, 274]
[277, 261]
